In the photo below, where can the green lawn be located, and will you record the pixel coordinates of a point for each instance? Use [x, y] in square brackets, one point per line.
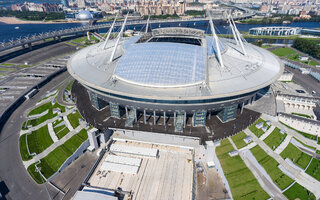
[283, 51]
[296, 156]
[6, 64]
[314, 169]
[296, 192]
[238, 140]
[313, 63]
[275, 138]
[40, 109]
[23, 148]
[7, 69]
[70, 85]
[39, 140]
[74, 119]
[255, 130]
[34, 174]
[242, 183]
[266, 46]
[24, 66]
[61, 131]
[307, 135]
[271, 166]
[52, 162]
[302, 115]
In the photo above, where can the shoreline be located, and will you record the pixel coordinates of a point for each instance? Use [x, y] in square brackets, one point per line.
[14, 20]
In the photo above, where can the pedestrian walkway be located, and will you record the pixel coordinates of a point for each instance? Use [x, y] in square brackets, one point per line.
[302, 178]
[52, 133]
[267, 133]
[283, 144]
[65, 118]
[261, 175]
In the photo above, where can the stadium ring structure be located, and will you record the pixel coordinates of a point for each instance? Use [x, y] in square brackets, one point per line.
[176, 72]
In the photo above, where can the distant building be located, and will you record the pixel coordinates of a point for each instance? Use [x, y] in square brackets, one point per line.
[160, 8]
[65, 3]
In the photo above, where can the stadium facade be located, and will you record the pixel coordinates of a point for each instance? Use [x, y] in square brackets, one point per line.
[174, 72]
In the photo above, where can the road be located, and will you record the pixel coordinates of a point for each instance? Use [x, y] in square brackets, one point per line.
[306, 81]
[12, 171]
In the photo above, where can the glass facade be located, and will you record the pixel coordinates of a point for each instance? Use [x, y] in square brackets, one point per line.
[228, 113]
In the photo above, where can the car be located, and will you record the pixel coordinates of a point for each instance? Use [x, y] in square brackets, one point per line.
[314, 92]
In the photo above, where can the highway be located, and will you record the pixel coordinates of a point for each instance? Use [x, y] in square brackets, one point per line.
[12, 171]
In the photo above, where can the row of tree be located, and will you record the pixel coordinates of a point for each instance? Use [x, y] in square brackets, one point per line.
[308, 46]
[32, 15]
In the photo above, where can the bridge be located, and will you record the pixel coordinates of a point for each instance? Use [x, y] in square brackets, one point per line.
[26, 42]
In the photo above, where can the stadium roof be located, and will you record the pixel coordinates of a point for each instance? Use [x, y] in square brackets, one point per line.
[173, 70]
[162, 64]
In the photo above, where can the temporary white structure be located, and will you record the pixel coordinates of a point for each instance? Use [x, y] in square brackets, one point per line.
[140, 151]
[123, 160]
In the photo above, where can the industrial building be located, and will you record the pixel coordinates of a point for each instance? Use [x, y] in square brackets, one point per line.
[175, 73]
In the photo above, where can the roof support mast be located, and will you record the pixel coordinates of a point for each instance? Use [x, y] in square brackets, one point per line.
[239, 37]
[118, 38]
[215, 37]
[109, 32]
[233, 31]
[147, 26]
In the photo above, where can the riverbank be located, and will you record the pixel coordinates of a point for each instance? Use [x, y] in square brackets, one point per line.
[14, 20]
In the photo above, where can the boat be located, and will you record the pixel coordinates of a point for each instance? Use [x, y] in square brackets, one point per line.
[17, 27]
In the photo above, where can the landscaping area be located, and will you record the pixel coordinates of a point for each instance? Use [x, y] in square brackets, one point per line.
[39, 110]
[275, 138]
[281, 52]
[74, 119]
[314, 169]
[296, 191]
[271, 167]
[306, 135]
[238, 140]
[61, 131]
[242, 182]
[23, 148]
[255, 130]
[39, 140]
[296, 156]
[301, 115]
[53, 161]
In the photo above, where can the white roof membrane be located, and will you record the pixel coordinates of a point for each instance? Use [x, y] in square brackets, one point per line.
[162, 64]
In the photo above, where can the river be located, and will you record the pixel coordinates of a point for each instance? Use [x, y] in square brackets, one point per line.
[9, 32]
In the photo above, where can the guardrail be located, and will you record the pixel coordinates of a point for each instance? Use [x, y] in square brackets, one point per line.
[53, 34]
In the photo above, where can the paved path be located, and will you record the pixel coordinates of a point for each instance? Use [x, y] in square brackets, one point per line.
[61, 92]
[54, 145]
[283, 144]
[52, 133]
[261, 175]
[302, 178]
[65, 118]
[267, 133]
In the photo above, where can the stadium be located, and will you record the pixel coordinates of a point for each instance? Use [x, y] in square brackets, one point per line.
[175, 74]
